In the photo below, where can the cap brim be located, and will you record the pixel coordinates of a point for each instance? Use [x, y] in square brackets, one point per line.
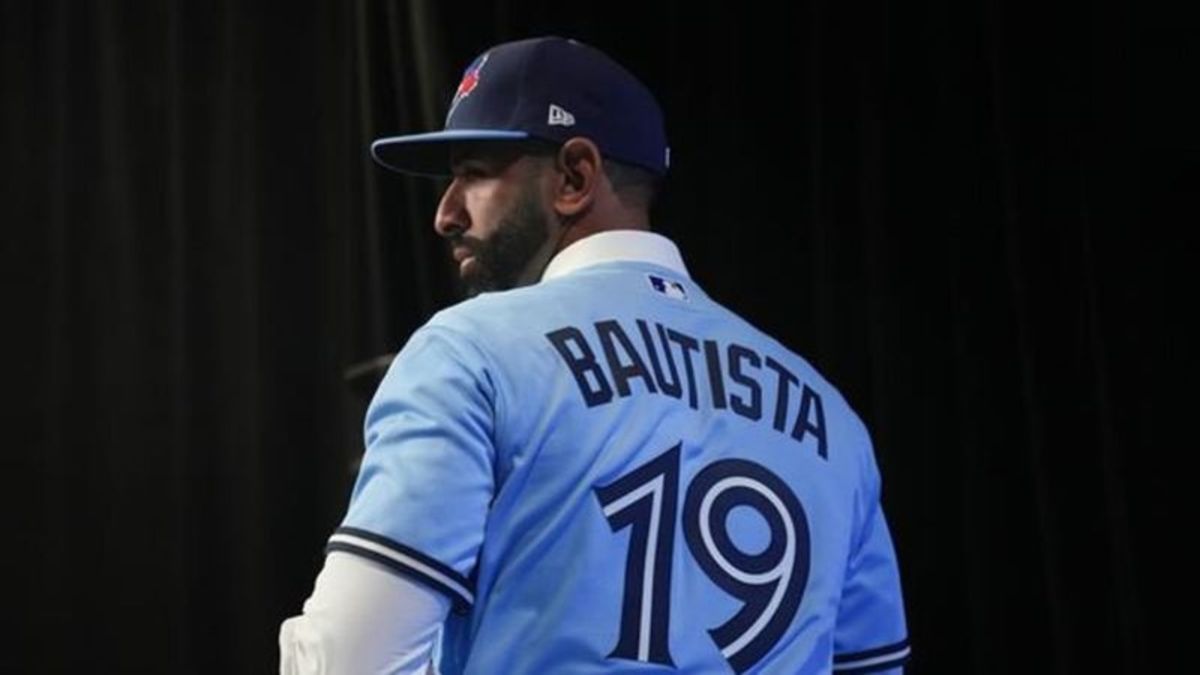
[429, 154]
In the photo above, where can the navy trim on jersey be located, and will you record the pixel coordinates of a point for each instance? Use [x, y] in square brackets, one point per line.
[872, 660]
[406, 561]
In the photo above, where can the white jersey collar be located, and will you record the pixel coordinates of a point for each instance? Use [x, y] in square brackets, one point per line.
[613, 245]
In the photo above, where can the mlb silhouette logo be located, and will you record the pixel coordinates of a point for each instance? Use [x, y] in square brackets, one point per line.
[669, 288]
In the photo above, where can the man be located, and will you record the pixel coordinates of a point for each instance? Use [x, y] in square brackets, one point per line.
[591, 466]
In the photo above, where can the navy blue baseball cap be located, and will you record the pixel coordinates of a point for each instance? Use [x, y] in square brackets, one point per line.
[549, 89]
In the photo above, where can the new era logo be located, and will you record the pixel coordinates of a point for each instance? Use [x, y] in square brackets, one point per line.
[669, 288]
[560, 117]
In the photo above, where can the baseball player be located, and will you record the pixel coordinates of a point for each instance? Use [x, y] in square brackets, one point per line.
[590, 466]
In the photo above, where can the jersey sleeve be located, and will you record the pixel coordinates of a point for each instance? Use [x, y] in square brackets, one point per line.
[420, 501]
[871, 635]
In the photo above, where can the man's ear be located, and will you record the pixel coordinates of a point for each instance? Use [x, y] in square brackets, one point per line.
[580, 171]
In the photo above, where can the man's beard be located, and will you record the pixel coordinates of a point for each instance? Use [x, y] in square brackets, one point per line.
[501, 258]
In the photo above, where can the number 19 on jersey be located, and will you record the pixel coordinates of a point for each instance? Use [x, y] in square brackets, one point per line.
[769, 583]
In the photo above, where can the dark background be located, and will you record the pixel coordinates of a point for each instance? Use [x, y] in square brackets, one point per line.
[970, 215]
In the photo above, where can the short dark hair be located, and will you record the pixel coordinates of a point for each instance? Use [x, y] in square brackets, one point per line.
[635, 187]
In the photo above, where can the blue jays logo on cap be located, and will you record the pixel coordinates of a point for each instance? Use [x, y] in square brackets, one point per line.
[549, 89]
[469, 82]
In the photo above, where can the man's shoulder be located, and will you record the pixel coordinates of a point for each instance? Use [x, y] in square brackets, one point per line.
[494, 309]
[499, 323]
[589, 289]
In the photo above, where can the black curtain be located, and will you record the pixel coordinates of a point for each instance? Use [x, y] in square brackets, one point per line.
[968, 215]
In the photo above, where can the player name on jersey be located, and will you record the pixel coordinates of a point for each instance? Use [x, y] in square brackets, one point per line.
[605, 360]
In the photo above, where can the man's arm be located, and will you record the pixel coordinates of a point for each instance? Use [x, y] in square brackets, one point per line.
[408, 543]
[871, 634]
[362, 619]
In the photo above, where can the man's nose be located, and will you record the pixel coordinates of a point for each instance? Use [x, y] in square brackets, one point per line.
[451, 217]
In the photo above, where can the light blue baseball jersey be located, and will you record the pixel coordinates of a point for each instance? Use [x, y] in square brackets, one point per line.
[610, 472]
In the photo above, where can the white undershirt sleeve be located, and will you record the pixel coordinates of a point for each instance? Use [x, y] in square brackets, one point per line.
[362, 618]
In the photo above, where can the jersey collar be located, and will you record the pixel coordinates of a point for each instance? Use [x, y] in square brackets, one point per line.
[613, 245]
